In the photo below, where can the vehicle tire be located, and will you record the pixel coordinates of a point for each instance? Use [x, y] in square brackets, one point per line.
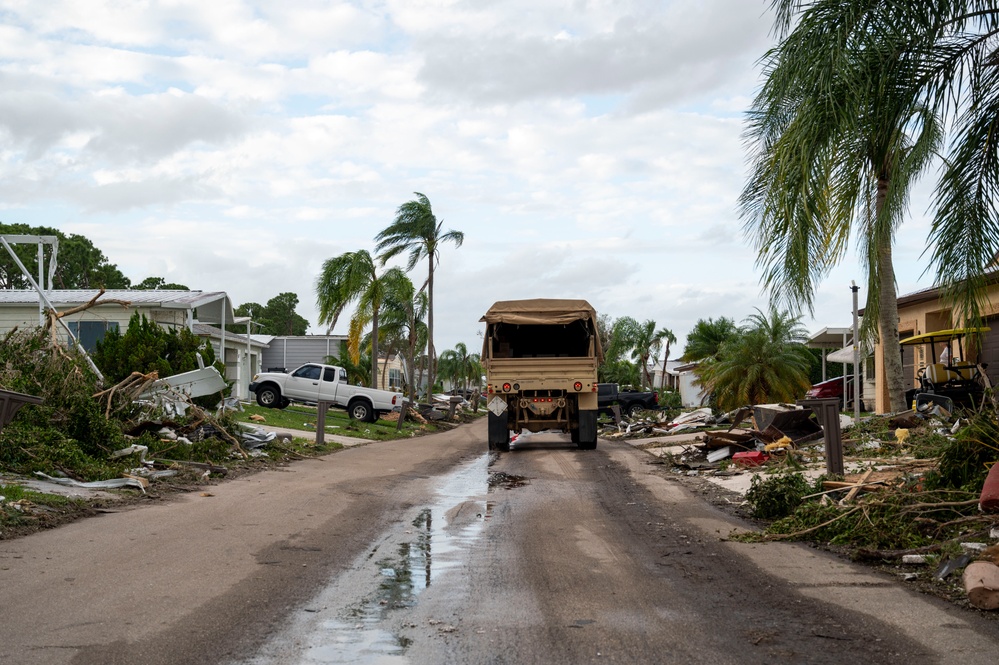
[284, 403]
[361, 410]
[269, 397]
[499, 433]
[634, 409]
[587, 432]
[574, 435]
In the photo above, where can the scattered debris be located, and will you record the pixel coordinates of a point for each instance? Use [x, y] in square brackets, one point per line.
[981, 581]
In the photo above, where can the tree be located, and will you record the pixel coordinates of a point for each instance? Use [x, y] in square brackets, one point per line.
[460, 366]
[417, 231]
[79, 264]
[358, 369]
[404, 316]
[838, 135]
[646, 344]
[666, 335]
[706, 338]
[765, 361]
[158, 284]
[146, 346]
[344, 279]
[277, 317]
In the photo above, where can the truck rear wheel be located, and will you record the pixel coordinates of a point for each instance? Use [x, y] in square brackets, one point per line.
[361, 410]
[634, 409]
[587, 432]
[499, 434]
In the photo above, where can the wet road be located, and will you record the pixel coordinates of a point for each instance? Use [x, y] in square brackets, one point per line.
[433, 551]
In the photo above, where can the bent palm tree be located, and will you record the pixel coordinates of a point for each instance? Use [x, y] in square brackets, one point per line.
[404, 311]
[344, 279]
[839, 135]
[417, 231]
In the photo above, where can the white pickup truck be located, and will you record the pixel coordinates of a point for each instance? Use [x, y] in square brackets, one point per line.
[313, 382]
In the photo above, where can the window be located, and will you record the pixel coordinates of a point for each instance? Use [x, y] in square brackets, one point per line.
[308, 372]
[91, 332]
[343, 375]
[394, 378]
[329, 374]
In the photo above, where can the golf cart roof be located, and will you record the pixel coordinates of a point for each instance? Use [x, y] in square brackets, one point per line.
[943, 335]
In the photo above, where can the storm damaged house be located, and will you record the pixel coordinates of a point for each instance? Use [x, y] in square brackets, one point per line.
[206, 313]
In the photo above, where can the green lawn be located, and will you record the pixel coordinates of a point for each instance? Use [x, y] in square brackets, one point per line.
[301, 417]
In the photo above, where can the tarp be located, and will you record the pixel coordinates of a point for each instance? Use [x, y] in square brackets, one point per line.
[540, 311]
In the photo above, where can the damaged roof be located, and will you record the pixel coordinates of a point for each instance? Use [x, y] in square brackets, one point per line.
[213, 306]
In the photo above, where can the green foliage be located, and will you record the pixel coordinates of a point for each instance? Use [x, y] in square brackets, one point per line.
[765, 361]
[460, 367]
[706, 338]
[80, 264]
[963, 461]
[69, 429]
[158, 284]
[776, 496]
[277, 317]
[146, 346]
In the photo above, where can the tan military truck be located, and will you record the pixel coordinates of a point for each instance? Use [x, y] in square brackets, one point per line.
[541, 358]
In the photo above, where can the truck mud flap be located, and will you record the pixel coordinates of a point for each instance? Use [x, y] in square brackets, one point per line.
[499, 434]
[587, 430]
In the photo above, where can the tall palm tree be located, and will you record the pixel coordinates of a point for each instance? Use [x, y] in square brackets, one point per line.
[767, 361]
[417, 231]
[665, 335]
[404, 314]
[838, 135]
[347, 278]
[646, 344]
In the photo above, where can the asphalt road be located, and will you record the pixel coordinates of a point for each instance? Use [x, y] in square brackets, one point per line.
[432, 551]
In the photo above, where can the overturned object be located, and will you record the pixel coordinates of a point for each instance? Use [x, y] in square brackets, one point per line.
[10, 402]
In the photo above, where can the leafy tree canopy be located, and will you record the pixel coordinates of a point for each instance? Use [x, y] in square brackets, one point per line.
[79, 264]
[277, 317]
[158, 284]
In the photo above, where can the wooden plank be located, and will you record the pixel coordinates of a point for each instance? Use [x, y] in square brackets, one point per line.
[853, 492]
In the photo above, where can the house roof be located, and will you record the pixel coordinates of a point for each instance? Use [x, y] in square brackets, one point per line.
[830, 338]
[213, 306]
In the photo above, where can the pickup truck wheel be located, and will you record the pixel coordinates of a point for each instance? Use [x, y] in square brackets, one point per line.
[634, 409]
[284, 403]
[361, 410]
[269, 397]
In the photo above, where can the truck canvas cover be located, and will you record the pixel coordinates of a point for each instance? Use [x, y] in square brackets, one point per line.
[544, 312]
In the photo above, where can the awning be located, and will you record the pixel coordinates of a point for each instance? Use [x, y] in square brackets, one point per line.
[845, 355]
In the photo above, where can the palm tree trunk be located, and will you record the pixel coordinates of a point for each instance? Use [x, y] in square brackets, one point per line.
[431, 353]
[888, 314]
[374, 347]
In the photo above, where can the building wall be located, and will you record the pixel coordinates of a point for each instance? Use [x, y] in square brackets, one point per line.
[26, 316]
[290, 352]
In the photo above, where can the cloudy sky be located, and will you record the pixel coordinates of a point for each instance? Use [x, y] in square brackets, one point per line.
[586, 148]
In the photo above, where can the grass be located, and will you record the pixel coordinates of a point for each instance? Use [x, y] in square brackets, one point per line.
[301, 417]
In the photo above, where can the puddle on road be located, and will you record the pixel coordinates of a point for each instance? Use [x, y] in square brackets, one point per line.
[433, 543]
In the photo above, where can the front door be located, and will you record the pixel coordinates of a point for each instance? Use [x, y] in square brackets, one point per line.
[303, 384]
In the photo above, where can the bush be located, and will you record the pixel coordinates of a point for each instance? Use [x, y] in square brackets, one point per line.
[777, 496]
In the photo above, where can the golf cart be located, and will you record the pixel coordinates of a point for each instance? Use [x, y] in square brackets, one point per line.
[950, 376]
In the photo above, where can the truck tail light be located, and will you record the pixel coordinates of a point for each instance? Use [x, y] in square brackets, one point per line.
[655, 398]
[393, 400]
[577, 386]
[507, 387]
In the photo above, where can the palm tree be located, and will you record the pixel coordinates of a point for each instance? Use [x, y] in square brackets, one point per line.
[766, 361]
[665, 335]
[460, 366]
[706, 337]
[358, 372]
[344, 279]
[646, 344]
[838, 136]
[417, 231]
[404, 314]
